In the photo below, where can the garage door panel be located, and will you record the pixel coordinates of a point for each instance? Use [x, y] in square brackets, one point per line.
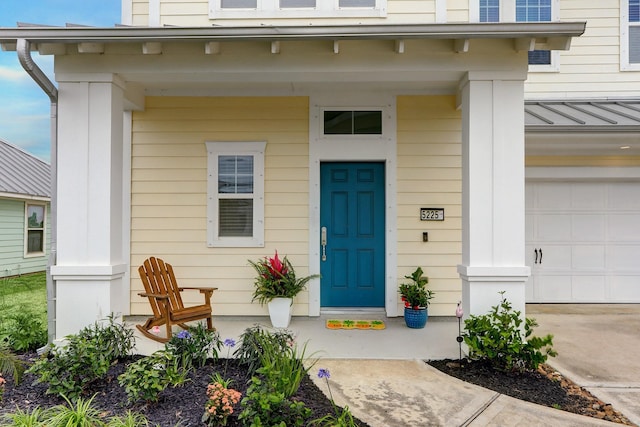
[623, 196]
[553, 196]
[624, 227]
[554, 288]
[587, 228]
[555, 257]
[624, 288]
[623, 257]
[554, 228]
[588, 257]
[588, 197]
[588, 288]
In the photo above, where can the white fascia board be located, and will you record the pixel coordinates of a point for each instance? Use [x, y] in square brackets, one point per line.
[331, 32]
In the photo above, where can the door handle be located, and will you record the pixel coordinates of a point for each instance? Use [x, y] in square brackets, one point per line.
[540, 256]
[323, 242]
[536, 251]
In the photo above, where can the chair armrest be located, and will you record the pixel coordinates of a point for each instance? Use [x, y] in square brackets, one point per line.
[156, 296]
[195, 288]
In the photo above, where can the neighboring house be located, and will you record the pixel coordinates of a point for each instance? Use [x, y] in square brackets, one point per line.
[25, 195]
[211, 132]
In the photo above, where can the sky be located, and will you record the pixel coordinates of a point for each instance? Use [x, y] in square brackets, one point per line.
[24, 107]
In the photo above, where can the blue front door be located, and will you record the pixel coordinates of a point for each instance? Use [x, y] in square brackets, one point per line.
[352, 221]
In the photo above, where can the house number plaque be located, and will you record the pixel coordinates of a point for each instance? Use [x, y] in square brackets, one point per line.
[431, 214]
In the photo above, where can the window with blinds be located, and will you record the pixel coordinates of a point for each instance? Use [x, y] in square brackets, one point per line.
[235, 208]
[634, 31]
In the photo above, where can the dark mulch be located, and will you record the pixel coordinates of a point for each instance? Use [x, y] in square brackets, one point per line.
[544, 387]
[181, 406]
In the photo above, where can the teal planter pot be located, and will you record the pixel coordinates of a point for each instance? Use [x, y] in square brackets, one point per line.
[415, 319]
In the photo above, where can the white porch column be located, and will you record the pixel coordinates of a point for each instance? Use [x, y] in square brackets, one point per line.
[90, 263]
[493, 210]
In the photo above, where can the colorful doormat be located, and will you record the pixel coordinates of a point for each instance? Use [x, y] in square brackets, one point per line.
[355, 324]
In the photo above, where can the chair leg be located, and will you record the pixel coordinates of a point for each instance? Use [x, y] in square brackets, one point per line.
[150, 335]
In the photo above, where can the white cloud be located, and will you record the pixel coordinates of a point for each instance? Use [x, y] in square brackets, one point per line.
[12, 74]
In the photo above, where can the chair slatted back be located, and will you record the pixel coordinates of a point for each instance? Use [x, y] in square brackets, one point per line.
[158, 278]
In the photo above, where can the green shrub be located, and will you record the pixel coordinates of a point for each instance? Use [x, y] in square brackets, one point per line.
[146, 378]
[25, 332]
[130, 419]
[281, 369]
[287, 366]
[20, 418]
[255, 341]
[263, 405]
[115, 339]
[497, 337]
[85, 358]
[10, 364]
[82, 414]
[194, 346]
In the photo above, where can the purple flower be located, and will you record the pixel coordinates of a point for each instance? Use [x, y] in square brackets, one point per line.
[184, 334]
[229, 342]
[323, 373]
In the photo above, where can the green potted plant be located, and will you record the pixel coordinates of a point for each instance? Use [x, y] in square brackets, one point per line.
[276, 285]
[416, 297]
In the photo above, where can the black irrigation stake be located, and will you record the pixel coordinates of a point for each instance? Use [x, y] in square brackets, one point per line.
[459, 314]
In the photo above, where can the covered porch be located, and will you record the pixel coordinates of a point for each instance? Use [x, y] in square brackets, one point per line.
[107, 77]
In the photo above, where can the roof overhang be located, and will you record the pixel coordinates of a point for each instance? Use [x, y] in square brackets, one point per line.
[557, 35]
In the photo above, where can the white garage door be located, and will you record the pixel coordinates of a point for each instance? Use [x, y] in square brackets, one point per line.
[583, 241]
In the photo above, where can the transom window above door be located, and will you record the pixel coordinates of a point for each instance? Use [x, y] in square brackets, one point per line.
[247, 9]
[352, 122]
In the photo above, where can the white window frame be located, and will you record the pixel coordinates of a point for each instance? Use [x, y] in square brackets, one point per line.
[323, 9]
[41, 253]
[508, 14]
[625, 65]
[216, 149]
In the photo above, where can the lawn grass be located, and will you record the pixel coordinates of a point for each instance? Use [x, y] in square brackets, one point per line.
[26, 293]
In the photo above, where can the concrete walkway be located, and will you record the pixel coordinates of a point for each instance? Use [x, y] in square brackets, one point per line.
[381, 375]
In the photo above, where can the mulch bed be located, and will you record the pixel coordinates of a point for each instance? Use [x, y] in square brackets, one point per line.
[181, 406]
[544, 387]
[184, 405]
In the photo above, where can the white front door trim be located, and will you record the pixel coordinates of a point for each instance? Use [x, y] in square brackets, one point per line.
[375, 148]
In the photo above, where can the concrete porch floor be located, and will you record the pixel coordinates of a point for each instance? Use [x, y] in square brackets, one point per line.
[436, 341]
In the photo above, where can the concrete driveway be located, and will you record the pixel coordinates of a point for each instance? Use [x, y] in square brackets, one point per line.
[598, 348]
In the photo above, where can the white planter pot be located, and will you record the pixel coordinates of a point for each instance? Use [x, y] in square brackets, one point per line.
[280, 311]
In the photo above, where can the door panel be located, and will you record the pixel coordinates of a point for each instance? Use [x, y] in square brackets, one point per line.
[352, 210]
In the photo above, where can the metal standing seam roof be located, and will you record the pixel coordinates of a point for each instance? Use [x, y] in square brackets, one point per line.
[586, 115]
[22, 173]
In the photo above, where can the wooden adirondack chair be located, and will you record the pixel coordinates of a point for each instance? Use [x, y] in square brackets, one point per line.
[162, 289]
